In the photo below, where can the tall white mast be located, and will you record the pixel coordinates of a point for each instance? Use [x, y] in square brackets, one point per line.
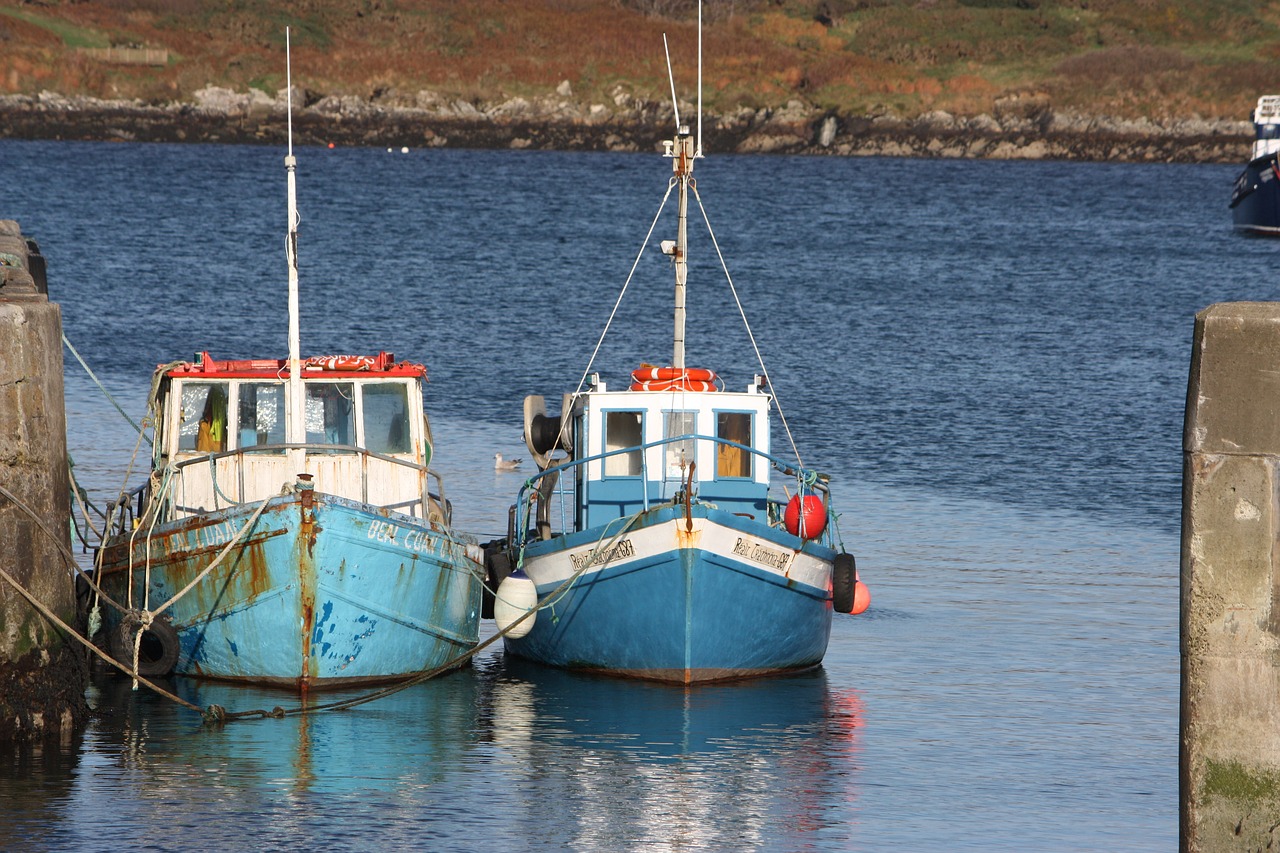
[682, 166]
[295, 423]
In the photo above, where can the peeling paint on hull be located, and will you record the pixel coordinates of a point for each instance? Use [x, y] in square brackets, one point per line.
[339, 593]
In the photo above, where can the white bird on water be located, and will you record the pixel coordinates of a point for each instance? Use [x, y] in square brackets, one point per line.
[501, 464]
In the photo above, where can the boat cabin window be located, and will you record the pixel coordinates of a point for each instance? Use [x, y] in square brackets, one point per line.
[330, 413]
[386, 417]
[260, 414]
[678, 454]
[202, 423]
[622, 430]
[733, 461]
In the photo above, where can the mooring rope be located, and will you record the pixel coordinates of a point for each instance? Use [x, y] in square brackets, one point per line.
[553, 597]
[101, 387]
[54, 618]
[62, 549]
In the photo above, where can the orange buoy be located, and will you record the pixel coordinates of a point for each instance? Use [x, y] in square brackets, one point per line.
[808, 521]
[861, 598]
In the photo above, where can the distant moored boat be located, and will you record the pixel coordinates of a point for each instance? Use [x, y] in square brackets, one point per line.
[1255, 199]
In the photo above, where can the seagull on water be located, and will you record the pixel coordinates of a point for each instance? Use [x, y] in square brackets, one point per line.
[501, 464]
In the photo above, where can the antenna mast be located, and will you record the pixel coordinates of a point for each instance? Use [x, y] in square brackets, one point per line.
[698, 152]
[295, 423]
[675, 104]
[683, 152]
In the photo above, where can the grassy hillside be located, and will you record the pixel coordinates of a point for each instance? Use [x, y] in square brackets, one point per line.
[1129, 58]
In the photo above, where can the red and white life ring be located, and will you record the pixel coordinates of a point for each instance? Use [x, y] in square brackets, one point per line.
[648, 374]
[673, 379]
[673, 385]
[342, 362]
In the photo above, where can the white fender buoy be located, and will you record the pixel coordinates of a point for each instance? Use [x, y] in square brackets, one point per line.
[515, 597]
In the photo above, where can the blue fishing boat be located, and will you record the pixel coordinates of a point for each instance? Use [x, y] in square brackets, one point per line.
[1255, 198]
[291, 531]
[651, 543]
[302, 550]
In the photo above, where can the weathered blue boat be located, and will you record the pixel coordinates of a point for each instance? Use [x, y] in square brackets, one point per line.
[1255, 197]
[314, 559]
[291, 531]
[672, 560]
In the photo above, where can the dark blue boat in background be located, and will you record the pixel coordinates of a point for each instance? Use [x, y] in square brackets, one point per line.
[1255, 199]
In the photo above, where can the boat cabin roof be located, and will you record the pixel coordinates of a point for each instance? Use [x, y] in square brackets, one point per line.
[382, 365]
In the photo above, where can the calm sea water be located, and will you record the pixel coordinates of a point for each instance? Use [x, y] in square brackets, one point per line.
[989, 358]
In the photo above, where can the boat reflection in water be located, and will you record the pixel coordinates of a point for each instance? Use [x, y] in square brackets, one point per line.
[669, 767]
[380, 751]
[569, 760]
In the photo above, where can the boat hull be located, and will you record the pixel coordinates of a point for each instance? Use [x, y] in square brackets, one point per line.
[706, 597]
[1255, 199]
[322, 591]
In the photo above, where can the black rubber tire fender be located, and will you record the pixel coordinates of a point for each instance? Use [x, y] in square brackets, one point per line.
[158, 654]
[844, 577]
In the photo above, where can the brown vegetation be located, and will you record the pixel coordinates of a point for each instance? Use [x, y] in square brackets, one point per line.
[1120, 57]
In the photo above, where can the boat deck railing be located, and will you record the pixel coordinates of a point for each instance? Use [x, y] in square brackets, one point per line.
[548, 484]
[427, 504]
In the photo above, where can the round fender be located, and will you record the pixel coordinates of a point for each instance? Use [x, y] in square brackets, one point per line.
[158, 652]
[844, 577]
[805, 516]
[516, 596]
[861, 598]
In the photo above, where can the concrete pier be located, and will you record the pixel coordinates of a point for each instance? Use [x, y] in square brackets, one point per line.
[1230, 626]
[42, 670]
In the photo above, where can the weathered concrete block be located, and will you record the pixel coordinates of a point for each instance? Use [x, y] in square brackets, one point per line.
[42, 671]
[1233, 399]
[1230, 738]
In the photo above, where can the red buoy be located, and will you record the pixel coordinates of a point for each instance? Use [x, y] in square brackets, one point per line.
[809, 522]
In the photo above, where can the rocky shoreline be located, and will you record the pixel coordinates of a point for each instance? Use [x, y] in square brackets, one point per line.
[1019, 127]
